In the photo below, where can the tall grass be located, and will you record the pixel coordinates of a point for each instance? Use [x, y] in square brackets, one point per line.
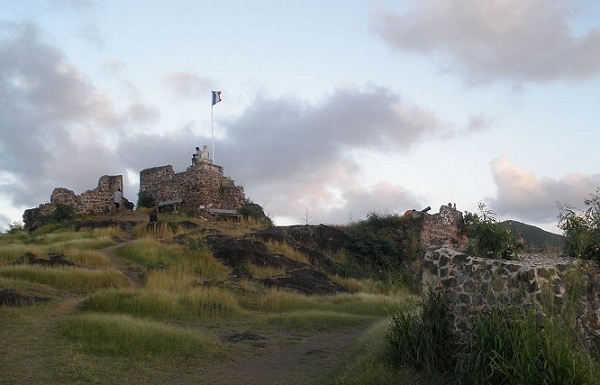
[126, 336]
[197, 302]
[141, 303]
[507, 346]
[260, 272]
[75, 279]
[422, 340]
[153, 254]
[510, 347]
[313, 320]
[210, 302]
[289, 251]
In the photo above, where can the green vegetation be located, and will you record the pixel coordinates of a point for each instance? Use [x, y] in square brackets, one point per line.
[505, 347]
[157, 304]
[487, 238]
[582, 228]
[145, 200]
[372, 244]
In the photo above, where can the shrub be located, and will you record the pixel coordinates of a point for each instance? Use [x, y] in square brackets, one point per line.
[487, 239]
[422, 340]
[371, 242]
[145, 200]
[582, 228]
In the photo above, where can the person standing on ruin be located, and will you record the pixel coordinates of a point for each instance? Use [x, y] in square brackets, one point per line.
[117, 198]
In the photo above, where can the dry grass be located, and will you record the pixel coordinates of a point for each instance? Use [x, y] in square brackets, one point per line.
[260, 272]
[284, 248]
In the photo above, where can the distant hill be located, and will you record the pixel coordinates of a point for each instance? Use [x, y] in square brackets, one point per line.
[534, 236]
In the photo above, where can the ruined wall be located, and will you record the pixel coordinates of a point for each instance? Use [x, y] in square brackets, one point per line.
[472, 286]
[445, 228]
[94, 201]
[201, 186]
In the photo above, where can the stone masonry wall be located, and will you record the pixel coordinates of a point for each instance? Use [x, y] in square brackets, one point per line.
[200, 187]
[472, 286]
[94, 201]
[445, 228]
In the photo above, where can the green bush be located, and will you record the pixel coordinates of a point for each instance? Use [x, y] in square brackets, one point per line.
[506, 346]
[582, 228]
[487, 239]
[371, 243]
[145, 200]
[422, 340]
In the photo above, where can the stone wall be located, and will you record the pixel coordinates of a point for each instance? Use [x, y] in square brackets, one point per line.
[95, 201]
[200, 187]
[472, 286]
[445, 228]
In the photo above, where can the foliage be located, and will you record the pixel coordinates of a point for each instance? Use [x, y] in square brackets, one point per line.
[145, 200]
[14, 228]
[371, 242]
[505, 346]
[582, 228]
[509, 347]
[255, 211]
[62, 212]
[487, 238]
[422, 340]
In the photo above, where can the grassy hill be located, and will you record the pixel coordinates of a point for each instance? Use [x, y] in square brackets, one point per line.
[116, 300]
[535, 237]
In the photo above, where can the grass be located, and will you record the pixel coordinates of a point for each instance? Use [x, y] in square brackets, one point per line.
[72, 279]
[287, 250]
[119, 335]
[100, 329]
[152, 254]
[260, 272]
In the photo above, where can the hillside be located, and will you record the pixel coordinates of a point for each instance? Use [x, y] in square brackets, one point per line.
[534, 237]
[118, 300]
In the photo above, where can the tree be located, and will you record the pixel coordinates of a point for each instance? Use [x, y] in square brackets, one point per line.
[581, 227]
[487, 238]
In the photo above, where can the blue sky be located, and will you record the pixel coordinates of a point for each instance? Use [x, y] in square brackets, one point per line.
[330, 110]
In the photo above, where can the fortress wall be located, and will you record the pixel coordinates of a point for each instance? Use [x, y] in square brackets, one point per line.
[93, 201]
[472, 286]
[201, 186]
[444, 229]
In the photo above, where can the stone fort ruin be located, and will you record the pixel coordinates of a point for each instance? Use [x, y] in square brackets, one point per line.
[202, 189]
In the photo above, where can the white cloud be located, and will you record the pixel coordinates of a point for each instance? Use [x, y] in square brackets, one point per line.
[486, 40]
[524, 196]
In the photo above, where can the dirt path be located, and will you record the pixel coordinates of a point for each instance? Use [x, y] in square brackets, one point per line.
[306, 360]
[132, 275]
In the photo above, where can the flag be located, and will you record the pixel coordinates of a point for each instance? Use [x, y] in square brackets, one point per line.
[216, 97]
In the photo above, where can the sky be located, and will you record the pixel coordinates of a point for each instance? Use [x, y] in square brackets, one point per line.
[330, 110]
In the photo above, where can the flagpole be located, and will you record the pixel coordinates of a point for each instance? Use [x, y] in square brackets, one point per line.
[212, 128]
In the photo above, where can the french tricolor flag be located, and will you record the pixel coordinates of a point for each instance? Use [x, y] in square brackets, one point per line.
[216, 97]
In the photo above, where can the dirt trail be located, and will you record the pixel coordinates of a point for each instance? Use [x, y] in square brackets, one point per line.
[133, 276]
[308, 360]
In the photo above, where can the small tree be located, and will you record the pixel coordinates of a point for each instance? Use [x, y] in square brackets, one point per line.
[486, 237]
[582, 228]
[145, 200]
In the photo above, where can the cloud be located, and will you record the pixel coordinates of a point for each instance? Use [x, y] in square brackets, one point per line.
[56, 125]
[486, 40]
[525, 196]
[60, 130]
[187, 85]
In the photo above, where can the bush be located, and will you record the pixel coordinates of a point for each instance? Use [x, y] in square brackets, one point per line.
[507, 346]
[422, 340]
[487, 239]
[582, 228]
[371, 242]
[145, 200]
